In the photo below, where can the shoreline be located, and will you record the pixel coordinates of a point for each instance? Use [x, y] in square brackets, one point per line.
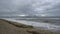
[45, 26]
[8, 28]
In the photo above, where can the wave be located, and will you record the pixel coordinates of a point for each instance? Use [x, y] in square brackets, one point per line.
[46, 26]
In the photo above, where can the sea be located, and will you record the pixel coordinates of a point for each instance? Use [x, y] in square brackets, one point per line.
[52, 24]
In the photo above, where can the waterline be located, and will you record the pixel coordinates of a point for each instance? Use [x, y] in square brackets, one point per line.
[47, 26]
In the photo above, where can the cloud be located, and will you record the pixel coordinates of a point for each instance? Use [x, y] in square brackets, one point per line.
[30, 7]
[49, 7]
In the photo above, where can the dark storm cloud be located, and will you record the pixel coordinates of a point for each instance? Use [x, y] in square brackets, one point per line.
[30, 7]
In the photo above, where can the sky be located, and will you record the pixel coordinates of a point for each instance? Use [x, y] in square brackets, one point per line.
[29, 7]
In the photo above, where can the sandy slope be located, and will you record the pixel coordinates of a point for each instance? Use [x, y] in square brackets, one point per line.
[6, 28]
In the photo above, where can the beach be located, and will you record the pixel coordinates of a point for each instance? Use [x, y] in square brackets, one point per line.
[10, 27]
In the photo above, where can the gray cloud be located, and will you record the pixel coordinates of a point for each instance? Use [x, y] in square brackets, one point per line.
[30, 7]
[47, 7]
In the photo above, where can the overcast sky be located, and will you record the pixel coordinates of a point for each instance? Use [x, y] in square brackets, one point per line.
[30, 7]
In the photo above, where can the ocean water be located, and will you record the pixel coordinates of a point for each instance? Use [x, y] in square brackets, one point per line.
[47, 24]
[55, 21]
